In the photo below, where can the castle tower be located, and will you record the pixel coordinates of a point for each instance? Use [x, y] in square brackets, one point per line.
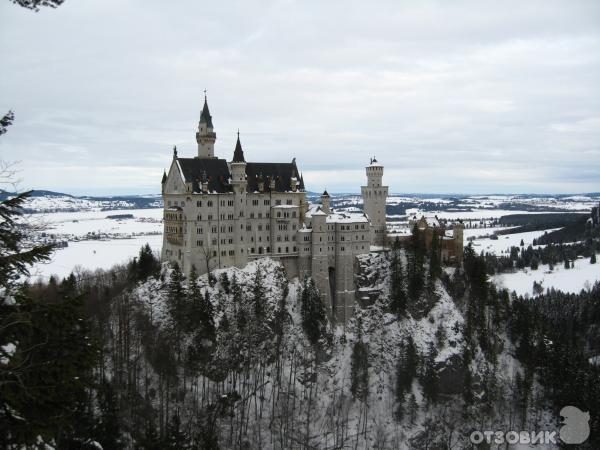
[325, 201]
[320, 262]
[205, 136]
[239, 184]
[374, 199]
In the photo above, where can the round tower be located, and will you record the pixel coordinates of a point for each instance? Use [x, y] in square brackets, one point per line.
[205, 136]
[239, 185]
[374, 199]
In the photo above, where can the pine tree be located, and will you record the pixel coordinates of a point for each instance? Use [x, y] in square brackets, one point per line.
[406, 368]
[567, 265]
[238, 303]
[258, 294]
[176, 296]
[224, 279]
[147, 264]
[398, 299]
[312, 311]
[176, 438]
[415, 271]
[593, 259]
[15, 257]
[429, 376]
[359, 373]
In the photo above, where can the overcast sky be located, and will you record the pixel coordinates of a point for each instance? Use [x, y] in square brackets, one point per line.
[451, 96]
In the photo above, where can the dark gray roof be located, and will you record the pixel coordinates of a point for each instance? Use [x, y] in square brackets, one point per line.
[205, 116]
[325, 194]
[214, 169]
[282, 173]
[217, 172]
[238, 154]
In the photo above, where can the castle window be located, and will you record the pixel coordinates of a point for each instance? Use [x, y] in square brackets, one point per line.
[248, 227]
[230, 216]
[222, 202]
[214, 253]
[230, 228]
[268, 249]
[230, 203]
[252, 215]
[259, 227]
[267, 202]
[278, 202]
[199, 217]
[210, 217]
[287, 238]
[214, 228]
[222, 216]
[287, 249]
[278, 249]
[223, 253]
[278, 238]
[223, 229]
[199, 243]
[288, 202]
[278, 213]
[342, 249]
[210, 203]
[230, 241]
[267, 227]
[198, 230]
[260, 215]
[294, 248]
[267, 215]
[294, 214]
[199, 203]
[214, 241]
[169, 203]
[255, 202]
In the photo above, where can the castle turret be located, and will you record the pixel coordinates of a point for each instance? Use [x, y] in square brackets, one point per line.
[325, 201]
[239, 184]
[206, 137]
[374, 200]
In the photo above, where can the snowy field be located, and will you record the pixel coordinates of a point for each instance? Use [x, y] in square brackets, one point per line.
[91, 255]
[582, 276]
[84, 222]
[506, 241]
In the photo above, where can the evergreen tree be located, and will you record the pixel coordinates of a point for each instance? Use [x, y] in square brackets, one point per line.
[567, 265]
[15, 257]
[312, 311]
[398, 299]
[176, 438]
[429, 376]
[147, 263]
[406, 369]
[258, 294]
[224, 279]
[415, 264]
[238, 303]
[359, 373]
[593, 259]
[176, 296]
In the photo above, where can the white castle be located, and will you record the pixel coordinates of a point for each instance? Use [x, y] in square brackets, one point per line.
[220, 214]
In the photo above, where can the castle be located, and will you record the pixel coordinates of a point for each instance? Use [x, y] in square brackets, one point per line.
[220, 213]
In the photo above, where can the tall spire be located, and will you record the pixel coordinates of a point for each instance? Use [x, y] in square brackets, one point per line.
[238, 154]
[205, 116]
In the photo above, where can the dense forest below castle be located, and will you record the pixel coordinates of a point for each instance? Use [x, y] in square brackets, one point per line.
[141, 356]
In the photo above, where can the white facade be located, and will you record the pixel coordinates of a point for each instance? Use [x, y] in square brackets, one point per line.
[222, 214]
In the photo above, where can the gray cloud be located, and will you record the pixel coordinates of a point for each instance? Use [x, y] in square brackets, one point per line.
[451, 96]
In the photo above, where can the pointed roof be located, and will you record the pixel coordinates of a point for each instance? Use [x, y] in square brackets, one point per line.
[238, 154]
[325, 194]
[205, 116]
[164, 178]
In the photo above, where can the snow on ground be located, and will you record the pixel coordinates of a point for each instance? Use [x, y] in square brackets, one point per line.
[582, 276]
[506, 241]
[93, 255]
[82, 222]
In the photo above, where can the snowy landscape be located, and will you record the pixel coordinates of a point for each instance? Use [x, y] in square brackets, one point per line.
[96, 241]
